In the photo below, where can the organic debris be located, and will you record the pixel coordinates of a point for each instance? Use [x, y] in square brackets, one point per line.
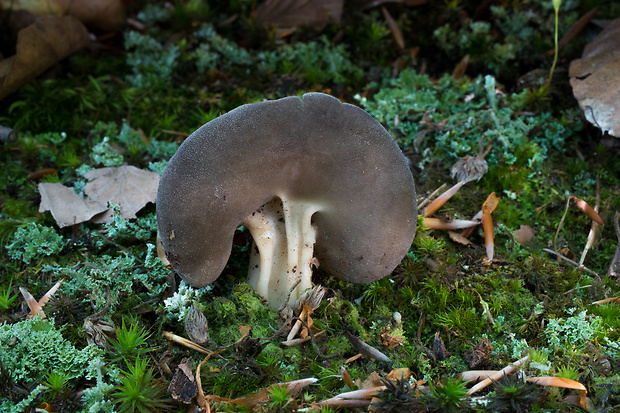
[42, 44]
[595, 79]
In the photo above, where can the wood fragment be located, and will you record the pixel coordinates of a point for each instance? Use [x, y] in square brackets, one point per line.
[497, 376]
[367, 349]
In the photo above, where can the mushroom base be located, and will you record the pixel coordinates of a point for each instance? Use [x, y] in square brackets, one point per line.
[283, 247]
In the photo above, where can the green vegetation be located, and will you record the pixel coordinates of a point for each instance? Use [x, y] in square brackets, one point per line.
[444, 309]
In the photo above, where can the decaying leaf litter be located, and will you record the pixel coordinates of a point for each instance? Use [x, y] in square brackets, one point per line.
[522, 287]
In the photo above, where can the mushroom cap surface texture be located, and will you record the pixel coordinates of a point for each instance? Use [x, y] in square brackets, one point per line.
[313, 150]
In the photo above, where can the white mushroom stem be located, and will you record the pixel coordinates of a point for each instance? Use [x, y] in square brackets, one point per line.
[284, 240]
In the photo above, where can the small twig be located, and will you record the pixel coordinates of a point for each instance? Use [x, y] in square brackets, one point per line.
[366, 349]
[555, 239]
[577, 288]
[428, 198]
[581, 267]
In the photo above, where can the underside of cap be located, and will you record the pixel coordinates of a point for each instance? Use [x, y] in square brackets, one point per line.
[312, 150]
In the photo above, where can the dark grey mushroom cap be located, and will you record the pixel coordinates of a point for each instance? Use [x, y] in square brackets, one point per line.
[315, 149]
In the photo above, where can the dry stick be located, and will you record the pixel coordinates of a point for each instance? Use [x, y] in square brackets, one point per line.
[594, 226]
[497, 376]
[428, 198]
[576, 264]
[555, 239]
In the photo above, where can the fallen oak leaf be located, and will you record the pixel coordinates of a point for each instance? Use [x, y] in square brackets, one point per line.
[595, 79]
[127, 186]
[67, 207]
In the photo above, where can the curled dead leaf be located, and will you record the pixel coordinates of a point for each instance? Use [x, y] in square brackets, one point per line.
[130, 187]
[39, 46]
[564, 383]
[67, 207]
[595, 79]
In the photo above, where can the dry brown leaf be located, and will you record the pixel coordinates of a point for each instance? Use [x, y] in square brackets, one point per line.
[67, 207]
[607, 300]
[130, 187]
[524, 234]
[456, 237]
[39, 46]
[37, 7]
[595, 79]
[563, 383]
[105, 15]
[373, 380]
[399, 374]
[32, 303]
[293, 13]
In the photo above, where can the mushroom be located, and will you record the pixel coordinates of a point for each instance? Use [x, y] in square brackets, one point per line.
[310, 178]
